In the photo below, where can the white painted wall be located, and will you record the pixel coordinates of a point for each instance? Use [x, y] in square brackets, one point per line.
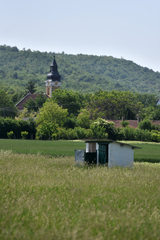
[119, 155]
[90, 147]
[97, 148]
[87, 147]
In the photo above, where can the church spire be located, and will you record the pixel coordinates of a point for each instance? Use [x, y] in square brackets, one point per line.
[54, 74]
[53, 78]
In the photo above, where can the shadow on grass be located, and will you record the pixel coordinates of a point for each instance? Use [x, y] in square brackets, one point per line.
[147, 160]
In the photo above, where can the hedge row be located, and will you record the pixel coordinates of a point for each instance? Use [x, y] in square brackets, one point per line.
[99, 129]
[17, 126]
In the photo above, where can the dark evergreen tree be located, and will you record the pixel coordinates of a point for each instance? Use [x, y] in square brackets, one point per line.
[30, 87]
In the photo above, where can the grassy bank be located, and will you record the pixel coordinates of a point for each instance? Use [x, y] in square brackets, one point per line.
[49, 198]
[53, 148]
[150, 152]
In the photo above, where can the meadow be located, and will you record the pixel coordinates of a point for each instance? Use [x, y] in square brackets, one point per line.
[45, 197]
[53, 148]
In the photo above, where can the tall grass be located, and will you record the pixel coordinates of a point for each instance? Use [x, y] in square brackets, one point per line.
[50, 198]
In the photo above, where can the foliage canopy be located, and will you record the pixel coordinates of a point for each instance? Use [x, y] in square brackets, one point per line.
[83, 73]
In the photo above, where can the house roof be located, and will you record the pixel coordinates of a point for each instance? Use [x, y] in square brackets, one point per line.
[132, 123]
[19, 105]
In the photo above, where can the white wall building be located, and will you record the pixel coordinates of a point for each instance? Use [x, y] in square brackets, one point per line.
[106, 152]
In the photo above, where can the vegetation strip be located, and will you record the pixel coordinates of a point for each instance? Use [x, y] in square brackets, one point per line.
[149, 152]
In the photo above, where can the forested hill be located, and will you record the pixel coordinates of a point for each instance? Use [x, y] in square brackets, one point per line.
[84, 73]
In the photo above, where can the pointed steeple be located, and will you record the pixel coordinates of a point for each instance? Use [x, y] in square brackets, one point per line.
[54, 74]
[53, 79]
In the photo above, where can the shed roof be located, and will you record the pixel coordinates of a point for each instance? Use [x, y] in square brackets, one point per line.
[107, 141]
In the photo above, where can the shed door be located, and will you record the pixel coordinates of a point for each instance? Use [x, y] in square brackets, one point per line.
[103, 154]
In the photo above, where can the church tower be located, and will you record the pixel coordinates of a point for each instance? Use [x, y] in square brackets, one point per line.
[53, 79]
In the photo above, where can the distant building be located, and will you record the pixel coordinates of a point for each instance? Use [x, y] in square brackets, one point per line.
[53, 79]
[28, 96]
[132, 123]
[53, 82]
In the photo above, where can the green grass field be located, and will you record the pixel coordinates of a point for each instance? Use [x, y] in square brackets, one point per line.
[53, 148]
[44, 197]
[150, 152]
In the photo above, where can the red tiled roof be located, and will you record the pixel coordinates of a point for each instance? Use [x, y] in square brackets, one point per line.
[156, 122]
[19, 105]
[132, 123]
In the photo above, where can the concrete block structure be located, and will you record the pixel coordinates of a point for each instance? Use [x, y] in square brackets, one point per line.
[106, 152]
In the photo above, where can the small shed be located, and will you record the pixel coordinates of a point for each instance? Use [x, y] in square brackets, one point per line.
[106, 152]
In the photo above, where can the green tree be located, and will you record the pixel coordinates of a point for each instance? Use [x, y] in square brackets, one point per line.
[40, 100]
[83, 119]
[70, 100]
[51, 112]
[81, 73]
[30, 105]
[25, 113]
[7, 108]
[156, 113]
[30, 87]
[113, 105]
[108, 127]
[47, 130]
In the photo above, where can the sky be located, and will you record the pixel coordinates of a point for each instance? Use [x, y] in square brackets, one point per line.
[128, 29]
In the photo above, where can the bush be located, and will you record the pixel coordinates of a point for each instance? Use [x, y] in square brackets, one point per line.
[101, 126]
[76, 133]
[67, 134]
[98, 131]
[81, 132]
[24, 134]
[124, 123]
[145, 124]
[146, 136]
[70, 122]
[10, 134]
[47, 130]
[155, 136]
[129, 133]
[89, 133]
[83, 119]
[72, 134]
[136, 134]
[62, 133]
